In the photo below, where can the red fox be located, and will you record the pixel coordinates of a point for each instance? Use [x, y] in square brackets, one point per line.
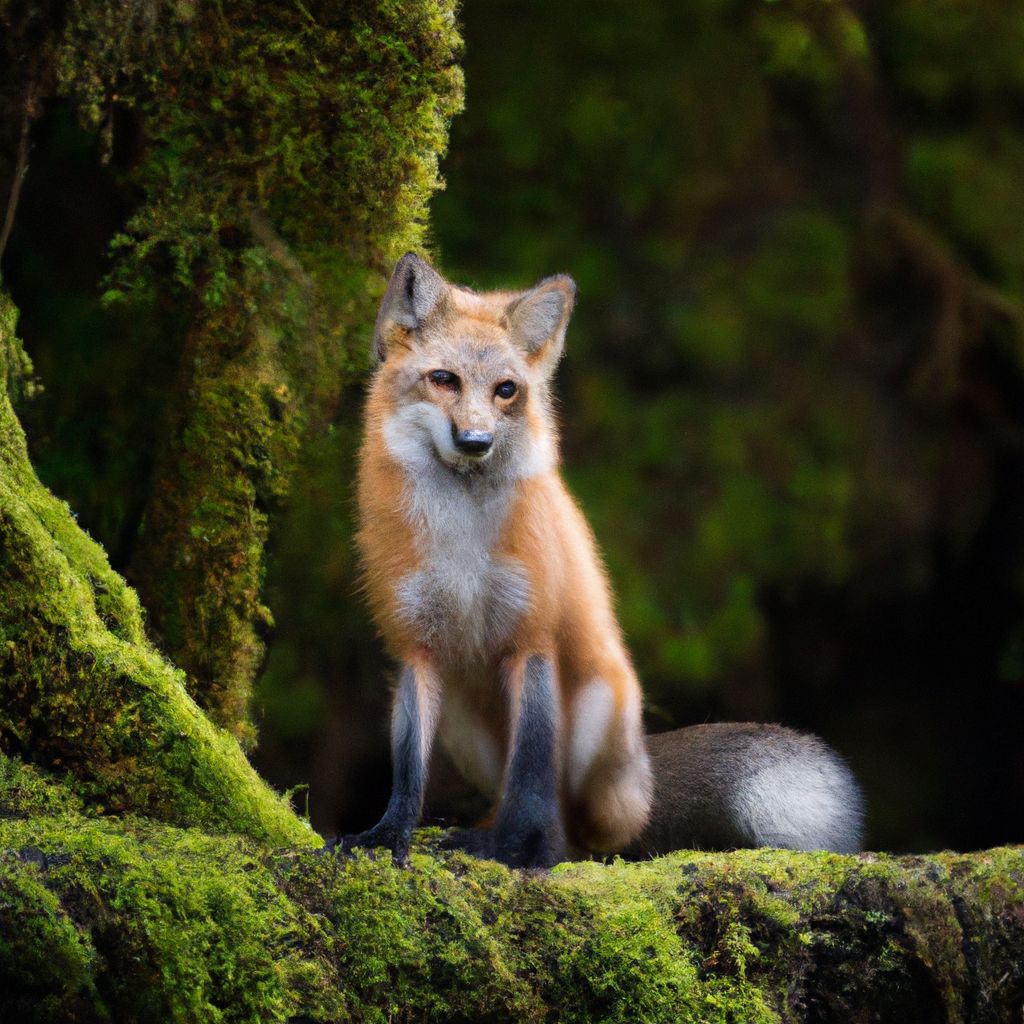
[485, 580]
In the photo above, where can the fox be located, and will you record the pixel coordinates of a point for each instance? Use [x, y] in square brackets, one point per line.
[485, 582]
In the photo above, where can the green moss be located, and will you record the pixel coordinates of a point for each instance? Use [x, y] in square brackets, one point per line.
[28, 504]
[26, 791]
[81, 690]
[142, 923]
[285, 156]
[131, 920]
[283, 206]
[18, 367]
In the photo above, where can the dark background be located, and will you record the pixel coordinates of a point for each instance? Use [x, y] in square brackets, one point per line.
[792, 404]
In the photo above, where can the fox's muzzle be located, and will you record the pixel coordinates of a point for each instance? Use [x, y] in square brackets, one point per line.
[472, 442]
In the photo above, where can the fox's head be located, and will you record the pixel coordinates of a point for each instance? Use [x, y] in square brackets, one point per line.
[463, 377]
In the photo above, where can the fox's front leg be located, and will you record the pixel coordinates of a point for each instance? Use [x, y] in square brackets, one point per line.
[413, 725]
[528, 831]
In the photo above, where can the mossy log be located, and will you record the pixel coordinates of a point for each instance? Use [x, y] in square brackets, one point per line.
[128, 920]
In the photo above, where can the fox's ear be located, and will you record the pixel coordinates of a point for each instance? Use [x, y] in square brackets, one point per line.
[539, 317]
[415, 293]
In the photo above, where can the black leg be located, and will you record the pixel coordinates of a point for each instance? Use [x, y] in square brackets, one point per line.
[413, 722]
[528, 830]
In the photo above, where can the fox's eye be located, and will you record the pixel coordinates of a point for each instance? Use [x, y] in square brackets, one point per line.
[443, 378]
[506, 389]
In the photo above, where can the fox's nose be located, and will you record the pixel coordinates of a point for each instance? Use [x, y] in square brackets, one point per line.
[472, 442]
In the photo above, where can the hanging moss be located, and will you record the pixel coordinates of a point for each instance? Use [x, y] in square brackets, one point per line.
[105, 920]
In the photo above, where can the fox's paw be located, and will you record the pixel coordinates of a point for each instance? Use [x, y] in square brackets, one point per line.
[374, 838]
[533, 848]
[475, 841]
[530, 848]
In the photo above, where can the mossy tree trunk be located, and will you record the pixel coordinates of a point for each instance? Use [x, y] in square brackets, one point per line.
[82, 692]
[283, 156]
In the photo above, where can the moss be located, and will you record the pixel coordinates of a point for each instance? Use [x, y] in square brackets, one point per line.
[144, 923]
[26, 791]
[82, 690]
[20, 381]
[281, 201]
[133, 920]
[283, 157]
[37, 509]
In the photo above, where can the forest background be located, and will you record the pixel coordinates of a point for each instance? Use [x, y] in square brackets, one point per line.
[792, 402]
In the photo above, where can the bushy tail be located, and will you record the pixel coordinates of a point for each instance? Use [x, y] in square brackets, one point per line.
[730, 785]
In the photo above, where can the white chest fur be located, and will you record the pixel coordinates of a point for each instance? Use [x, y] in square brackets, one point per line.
[464, 600]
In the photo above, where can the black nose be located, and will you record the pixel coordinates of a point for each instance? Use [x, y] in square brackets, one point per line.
[472, 442]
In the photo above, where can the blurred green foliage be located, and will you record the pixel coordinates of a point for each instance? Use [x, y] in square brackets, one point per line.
[696, 167]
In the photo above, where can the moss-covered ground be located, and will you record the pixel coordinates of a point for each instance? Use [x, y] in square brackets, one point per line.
[128, 920]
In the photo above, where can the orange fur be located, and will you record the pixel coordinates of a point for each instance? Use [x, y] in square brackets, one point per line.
[569, 617]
